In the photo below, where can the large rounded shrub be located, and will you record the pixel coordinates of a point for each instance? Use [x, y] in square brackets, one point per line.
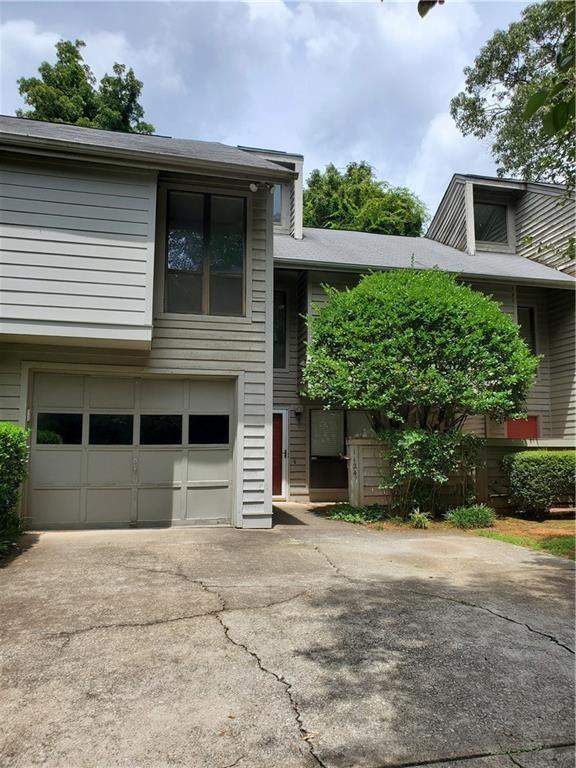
[540, 479]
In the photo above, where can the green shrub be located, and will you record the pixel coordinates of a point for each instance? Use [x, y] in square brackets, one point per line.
[475, 516]
[13, 467]
[419, 519]
[361, 515]
[540, 479]
[47, 437]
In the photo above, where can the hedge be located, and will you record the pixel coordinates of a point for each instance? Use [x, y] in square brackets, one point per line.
[13, 468]
[541, 479]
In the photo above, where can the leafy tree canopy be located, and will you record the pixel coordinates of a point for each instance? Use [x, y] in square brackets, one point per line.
[416, 348]
[355, 200]
[520, 93]
[66, 92]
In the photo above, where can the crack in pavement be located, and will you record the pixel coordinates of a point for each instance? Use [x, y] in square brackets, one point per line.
[306, 735]
[512, 753]
[426, 593]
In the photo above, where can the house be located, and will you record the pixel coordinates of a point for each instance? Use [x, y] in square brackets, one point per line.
[151, 333]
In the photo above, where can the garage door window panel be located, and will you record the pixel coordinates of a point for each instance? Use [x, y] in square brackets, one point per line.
[160, 429]
[59, 429]
[209, 430]
[205, 254]
[111, 429]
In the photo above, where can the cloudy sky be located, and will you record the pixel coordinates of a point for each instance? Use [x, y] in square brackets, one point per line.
[336, 82]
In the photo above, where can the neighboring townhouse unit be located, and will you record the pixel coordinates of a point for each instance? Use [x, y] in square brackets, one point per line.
[152, 302]
[479, 232]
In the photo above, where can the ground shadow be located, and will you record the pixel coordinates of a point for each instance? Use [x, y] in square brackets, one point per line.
[281, 517]
[24, 543]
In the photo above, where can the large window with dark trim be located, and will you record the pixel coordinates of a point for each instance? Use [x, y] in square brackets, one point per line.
[205, 254]
[279, 329]
[490, 223]
[527, 326]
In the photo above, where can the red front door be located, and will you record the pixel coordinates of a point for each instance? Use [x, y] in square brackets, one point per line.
[277, 451]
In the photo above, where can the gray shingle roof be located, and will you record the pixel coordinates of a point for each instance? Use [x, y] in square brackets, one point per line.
[155, 149]
[331, 248]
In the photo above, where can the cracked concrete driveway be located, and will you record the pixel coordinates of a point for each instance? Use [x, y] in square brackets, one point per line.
[314, 644]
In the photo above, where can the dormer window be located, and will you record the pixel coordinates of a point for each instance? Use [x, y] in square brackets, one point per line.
[491, 223]
[280, 207]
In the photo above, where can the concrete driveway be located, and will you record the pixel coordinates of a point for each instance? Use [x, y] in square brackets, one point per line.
[314, 644]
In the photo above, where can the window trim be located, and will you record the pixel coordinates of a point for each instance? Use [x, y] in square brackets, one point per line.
[161, 262]
[284, 224]
[506, 246]
[285, 366]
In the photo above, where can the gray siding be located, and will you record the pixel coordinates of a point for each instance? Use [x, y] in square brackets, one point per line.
[77, 252]
[562, 363]
[287, 387]
[449, 224]
[192, 346]
[545, 229]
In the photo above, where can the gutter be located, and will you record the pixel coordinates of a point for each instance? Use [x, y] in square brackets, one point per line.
[138, 159]
[322, 266]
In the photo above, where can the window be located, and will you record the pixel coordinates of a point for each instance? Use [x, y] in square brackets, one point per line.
[160, 430]
[327, 433]
[209, 430]
[522, 429]
[205, 254]
[277, 204]
[490, 224]
[279, 329]
[527, 325]
[59, 429]
[110, 429]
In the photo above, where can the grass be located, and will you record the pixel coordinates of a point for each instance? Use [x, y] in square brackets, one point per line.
[555, 535]
[561, 546]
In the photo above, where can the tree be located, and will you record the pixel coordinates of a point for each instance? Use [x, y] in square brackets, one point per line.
[66, 92]
[511, 68]
[355, 200]
[420, 353]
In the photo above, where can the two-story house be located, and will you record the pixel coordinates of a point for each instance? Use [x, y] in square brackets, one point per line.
[152, 298]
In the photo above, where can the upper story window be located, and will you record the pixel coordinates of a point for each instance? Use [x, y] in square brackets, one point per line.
[526, 317]
[279, 329]
[491, 223]
[205, 254]
[277, 204]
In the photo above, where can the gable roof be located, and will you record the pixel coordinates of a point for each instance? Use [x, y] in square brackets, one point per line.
[153, 151]
[341, 249]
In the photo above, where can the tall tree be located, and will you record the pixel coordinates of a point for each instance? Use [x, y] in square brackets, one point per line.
[513, 92]
[356, 200]
[66, 92]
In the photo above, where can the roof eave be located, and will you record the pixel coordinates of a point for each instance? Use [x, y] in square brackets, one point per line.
[138, 159]
[350, 267]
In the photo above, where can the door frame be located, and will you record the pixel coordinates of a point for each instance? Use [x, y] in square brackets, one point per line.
[284, 413]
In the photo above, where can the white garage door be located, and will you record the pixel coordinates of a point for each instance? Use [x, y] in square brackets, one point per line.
[125, 451]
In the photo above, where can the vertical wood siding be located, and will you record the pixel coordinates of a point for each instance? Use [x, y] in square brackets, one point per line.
[545, 229]
[77, 251]
[189, 346]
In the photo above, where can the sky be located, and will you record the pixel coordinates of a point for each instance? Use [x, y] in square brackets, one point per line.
[334, 81]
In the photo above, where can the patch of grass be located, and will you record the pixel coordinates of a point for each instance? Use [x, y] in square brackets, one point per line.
[561, 546]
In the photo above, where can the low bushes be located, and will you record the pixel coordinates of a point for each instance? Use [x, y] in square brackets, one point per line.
[13, 467]
[418, 519]
[476, 516]
[540, 479]
[362, 515]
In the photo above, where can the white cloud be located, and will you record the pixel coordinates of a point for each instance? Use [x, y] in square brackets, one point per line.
[335, 81]
[443, 151]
